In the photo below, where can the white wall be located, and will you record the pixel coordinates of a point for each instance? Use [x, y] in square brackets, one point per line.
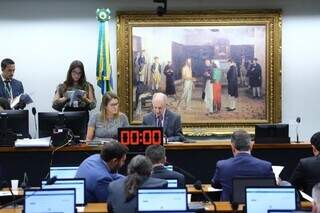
[44, 36]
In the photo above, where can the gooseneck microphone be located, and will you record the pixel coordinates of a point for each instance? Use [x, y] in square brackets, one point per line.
[298, 120]
[50, 181]
[34, 112]
[197, 185]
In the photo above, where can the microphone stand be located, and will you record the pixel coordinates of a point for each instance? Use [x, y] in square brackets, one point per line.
[198, 185]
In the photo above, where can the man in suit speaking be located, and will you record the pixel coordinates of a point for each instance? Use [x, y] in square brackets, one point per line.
[242, 164]
[161, 116]
[9, 87]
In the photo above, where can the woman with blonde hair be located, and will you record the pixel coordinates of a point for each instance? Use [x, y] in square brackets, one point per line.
[105, 124]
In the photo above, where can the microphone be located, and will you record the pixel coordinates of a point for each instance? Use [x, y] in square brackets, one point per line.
[34, 112]
[50, 181]
[25, 182]
[197, 185]
[298, 120]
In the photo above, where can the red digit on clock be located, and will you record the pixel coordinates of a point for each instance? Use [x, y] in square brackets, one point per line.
[134, 137]
[146, 137]
[124, 137]
[156, 136]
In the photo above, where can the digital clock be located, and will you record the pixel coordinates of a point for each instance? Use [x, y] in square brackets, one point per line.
[138, 138]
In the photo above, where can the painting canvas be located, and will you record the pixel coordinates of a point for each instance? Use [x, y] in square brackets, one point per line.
[212, 73]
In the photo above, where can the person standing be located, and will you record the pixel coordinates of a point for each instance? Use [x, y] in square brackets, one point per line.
[232, 77]
[169, 73]
[256, 78]
[10, 88]
[187, 85]
[216, 78]
[208, 89]
[156, 74]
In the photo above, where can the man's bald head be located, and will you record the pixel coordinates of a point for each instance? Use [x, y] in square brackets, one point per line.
[159, 103]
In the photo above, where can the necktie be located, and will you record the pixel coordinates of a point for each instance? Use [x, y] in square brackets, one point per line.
[159, 121]
[7, 89]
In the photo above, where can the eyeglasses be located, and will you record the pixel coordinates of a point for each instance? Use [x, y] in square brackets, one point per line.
[76, 73]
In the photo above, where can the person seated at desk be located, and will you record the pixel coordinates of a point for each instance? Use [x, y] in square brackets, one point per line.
[157, 155]
[123, 192]
[10, 88]
[242, 164]
[106, 123]
[161, 116]
[101, 169]
[307, 172]
[316, 198]
[75, 93]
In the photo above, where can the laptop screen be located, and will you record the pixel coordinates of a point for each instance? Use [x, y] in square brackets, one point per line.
[280, 211]
[172, 183]
[63, 172]
[77, 184]
[169, 167]
[262, 199]
[48, 200]
[162, 200]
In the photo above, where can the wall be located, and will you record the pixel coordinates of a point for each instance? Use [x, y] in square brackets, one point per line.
[43, 37]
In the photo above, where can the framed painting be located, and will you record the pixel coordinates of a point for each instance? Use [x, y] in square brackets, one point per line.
[221, 70]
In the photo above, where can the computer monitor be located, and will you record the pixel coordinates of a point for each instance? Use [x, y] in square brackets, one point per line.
[76, 121]
[50, 200]
[63, 172]
[77, 183]
[16, 121]
[272, 133]
[239, 185]
[172, 183]
[152, 200]
[261, 199]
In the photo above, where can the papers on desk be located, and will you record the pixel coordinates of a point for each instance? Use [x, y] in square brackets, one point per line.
[305, 196]
[8, 193]
[39, 142]
[23, 98]
[211, 189]
[277, 170]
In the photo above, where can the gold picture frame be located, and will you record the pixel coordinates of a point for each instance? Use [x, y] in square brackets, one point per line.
[144, 39]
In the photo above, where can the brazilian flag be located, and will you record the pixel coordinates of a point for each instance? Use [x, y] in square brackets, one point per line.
[103, 70]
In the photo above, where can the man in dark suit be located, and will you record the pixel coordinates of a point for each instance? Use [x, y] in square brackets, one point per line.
[307, 172]
[161, 116]
[242, 164]
[10, 87]
[101, 169]
[157, 155]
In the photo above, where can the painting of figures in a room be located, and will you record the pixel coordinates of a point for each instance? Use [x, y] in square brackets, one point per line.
[209, 73]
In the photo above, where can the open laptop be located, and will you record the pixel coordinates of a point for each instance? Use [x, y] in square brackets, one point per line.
[239, 185]
[77, 183]
[50, 200]
[172, 183]
[261, 199]
[162, 200]
[63, 171]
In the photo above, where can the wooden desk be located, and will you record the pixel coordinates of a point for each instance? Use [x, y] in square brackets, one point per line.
[198, 158]
[206, 187]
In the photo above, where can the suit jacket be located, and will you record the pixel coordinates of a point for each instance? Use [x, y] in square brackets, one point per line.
[98, 176]
[16, 86]
[243, 164]
[116, 199]
[306, 174]
[171, 124]
[163, 173]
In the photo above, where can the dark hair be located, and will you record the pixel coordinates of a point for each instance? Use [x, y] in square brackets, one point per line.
[113, 150]
[315, 140]
[139, 169]
[5, 62]
[241, 140]
[156, 153]
[82, 81]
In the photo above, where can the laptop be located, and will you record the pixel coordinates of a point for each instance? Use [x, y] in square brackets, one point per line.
[50, 200]
[63, 172]
[239, 185]
[261, 199]
[172, 183]
[162, 200]
[77, 183]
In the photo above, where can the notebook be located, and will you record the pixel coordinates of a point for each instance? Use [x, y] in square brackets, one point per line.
[77, 183]
[163, 200]
[262, 199]
[50, 200]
